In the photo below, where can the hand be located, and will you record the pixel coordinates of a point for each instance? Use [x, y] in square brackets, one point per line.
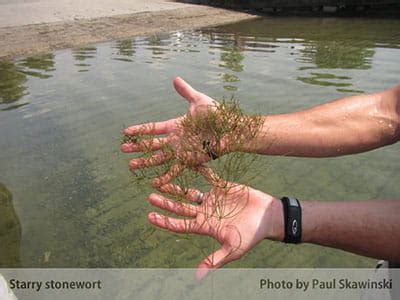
[188, 151]
[237, 216]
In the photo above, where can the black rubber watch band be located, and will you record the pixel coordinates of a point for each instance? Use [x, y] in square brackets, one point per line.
[292, 219]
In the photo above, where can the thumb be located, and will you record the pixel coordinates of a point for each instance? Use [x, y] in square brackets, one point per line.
[185, 90]
[213, 261]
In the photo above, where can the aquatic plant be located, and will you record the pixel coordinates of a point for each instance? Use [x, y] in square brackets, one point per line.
[205, 154]
[212, 137]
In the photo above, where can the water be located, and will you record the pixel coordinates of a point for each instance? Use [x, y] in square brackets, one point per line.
[66, 193]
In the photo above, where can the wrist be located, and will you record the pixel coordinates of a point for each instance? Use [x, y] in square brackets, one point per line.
[312, 217]
[259, 142]
[274, 221]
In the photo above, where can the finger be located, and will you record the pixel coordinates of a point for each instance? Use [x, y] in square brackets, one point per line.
[213, 261]
[155, 160]
[143, 146]
[185, 90]
[176, 190]
[173, 224]
[173, 172]
[181, 209]
[211, 176]
[163, 127]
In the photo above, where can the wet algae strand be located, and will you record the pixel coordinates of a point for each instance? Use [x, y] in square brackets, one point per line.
[210, 137]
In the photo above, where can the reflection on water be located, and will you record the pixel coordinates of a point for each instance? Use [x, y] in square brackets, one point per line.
[158, 44]
[38, 66]
[231, 59]
[125, 50]
[10, 231]
[323, 79]
[14, 106]
[337, 55]
[12, 83]
[82, 55]
[71, 187]
[325, 44]
[13, 77]
[334, 55]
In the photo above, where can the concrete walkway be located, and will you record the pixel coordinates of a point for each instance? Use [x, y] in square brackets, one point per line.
[26, 12]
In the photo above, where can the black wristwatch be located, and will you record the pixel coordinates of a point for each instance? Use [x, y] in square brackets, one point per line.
[292, 219]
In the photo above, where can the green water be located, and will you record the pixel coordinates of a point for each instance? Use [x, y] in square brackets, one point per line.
[66, 193]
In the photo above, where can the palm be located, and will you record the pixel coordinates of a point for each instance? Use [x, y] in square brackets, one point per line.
[198, 102]
[233, 214]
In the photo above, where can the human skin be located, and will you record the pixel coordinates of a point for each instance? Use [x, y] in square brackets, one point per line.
[197, 103]
[346, 126]
[370, 228]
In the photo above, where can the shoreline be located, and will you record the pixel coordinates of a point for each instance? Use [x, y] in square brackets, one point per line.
[26, 40]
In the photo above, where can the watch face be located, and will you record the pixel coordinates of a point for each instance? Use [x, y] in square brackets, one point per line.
[294, 227]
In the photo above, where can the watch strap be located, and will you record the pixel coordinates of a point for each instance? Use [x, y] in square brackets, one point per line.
[292, 220]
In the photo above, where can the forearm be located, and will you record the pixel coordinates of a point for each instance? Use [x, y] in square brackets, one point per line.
[349, 125]
[370, 228]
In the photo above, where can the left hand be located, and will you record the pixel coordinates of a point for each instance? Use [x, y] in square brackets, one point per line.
[237, 216]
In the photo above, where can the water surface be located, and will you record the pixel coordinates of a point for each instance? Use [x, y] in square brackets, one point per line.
[66, 192]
